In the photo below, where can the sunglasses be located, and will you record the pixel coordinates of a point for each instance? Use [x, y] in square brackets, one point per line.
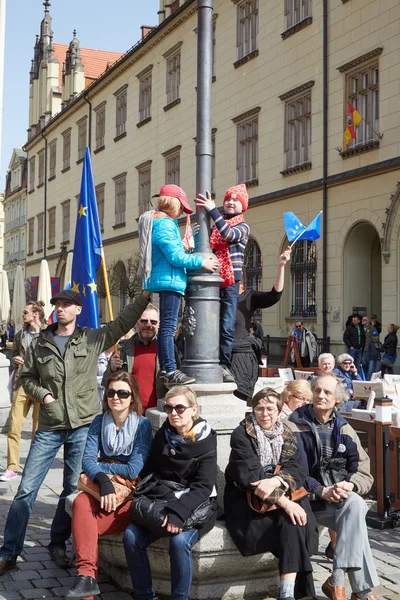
[152, 321]
[179, 409]
[122, 394]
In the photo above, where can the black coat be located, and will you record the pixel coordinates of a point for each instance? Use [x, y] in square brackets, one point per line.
[389, 345]
[350, 337]
[194, 465]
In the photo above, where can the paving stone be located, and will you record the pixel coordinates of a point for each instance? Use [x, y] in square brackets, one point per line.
[29, 566]
[40, 556]
[36, 593]
[67, 580]
[10, 596]
[11, 586]
[55, 572]
[48, 582]
[34, 550]
[107, 587]
[24, 575]
[61, 591]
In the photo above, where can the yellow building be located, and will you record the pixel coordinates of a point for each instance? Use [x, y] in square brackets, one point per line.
[283, 78]
[14, 214]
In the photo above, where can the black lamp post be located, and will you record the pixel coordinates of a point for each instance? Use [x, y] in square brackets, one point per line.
[201, 315]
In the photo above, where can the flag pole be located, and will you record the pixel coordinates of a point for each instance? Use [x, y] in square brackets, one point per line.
[107, 287]
[380, 135]
[300, 234]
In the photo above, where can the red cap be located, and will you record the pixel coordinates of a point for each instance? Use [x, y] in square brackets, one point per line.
[176, 192]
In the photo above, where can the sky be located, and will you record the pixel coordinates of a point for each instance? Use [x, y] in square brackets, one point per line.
[100, 24]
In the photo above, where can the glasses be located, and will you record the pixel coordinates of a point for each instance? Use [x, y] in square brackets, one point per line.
[301, 399]
[179, 409]
[122, 394]
[259, 410]
[298, 326]
[152, 321]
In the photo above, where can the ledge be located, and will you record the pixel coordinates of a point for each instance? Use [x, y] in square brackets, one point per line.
[65, 241]
[297, 27]
[120, 136]
[306, 166]
[30, 253]
[65, 170]
[245, 59]
[367, 147]
[31, 191]
[39, 251]
[172, 104]
[79, 161]
[143, 122]
[51, 247]
[40, 185]
[251, 182]
[51, 178]
[119, 225]
[99, 149]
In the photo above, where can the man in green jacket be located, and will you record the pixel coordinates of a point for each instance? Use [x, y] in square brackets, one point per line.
[60, 372]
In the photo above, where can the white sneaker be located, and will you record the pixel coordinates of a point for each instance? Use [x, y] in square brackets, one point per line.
[7, 475]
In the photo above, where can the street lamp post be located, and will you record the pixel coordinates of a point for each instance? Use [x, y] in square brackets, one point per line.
[201, 315]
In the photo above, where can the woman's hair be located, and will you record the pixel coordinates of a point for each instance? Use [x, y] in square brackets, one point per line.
[37, 307]
[178, 331]
[187, 392]
[265, 394]
[343, 357]
[301, 386]
[168, 204]
[136, 405]
[394, 327]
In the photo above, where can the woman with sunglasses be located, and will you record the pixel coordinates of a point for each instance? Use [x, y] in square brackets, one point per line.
[185, 451]
[118, 442]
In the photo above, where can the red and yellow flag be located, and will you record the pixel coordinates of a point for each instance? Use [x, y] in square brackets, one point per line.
[353, 119]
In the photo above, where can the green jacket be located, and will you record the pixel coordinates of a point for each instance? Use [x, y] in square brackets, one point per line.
[19, 349]
[72, 380]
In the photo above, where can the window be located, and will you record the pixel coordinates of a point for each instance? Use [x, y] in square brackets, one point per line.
[247, 147]
[362, 88]
[52, 226]
[173, 58]
[121, 108]
[145, 97]
[100, 189]
[100, 125]
[66, 148]
[15, 179]
[303, 270]
[31, 235]
[296, 11]
[298, 130]
[82, 127]
[32, 173]
[173, 165]
[40, 219]
[252, 266]
[41, 168]
[53, 158]
[247, 27]
[22, 252]
[120, 199]
[65, 220]
[144, 172]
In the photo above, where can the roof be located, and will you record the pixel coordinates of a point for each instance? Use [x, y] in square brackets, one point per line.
[94, 61]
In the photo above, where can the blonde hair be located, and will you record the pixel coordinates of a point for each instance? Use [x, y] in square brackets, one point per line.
[168, 204]
[187, 392]
[300, 386]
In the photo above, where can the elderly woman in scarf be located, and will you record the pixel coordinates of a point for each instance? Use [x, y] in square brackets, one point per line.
[259, 445]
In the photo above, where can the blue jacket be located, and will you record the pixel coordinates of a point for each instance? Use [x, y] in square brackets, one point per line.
[169, 259]
[346, 377]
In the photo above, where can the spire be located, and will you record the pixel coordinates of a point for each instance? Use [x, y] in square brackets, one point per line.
[46, 5]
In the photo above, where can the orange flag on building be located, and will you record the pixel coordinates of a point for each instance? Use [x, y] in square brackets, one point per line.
[353, 119]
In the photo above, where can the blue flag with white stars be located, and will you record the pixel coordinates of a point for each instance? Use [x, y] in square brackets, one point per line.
[87, 248]
[295, 230]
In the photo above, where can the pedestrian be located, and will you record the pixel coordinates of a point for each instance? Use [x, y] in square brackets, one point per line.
[368, 329]
[374, 353]
[184, 451]
[163, 264]
[306, 343]
[118, 443]
[389, 350]
[33, 320]
[259, 445]
[296, 393]
[338, 475]
[355, 313]
[59, 372]
[376, 324]
[354, 338]
[228, 241]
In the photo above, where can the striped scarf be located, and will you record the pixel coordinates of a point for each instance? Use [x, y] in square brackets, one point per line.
[221, 249]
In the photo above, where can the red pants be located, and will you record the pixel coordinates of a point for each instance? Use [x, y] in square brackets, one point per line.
[89, 522]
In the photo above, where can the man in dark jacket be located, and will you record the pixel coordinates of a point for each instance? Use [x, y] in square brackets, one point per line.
[354, 338]
[338, 475]
[60, 372]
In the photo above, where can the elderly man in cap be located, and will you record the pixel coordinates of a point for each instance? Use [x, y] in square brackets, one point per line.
[60, 372]
[338, 475]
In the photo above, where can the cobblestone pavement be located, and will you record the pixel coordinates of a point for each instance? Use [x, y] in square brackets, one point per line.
[38, 577]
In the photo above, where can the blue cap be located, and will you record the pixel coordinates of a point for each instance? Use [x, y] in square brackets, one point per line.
[375, 333]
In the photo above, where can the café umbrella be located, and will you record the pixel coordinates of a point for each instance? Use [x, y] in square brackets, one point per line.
[44, 288]
[19, 300]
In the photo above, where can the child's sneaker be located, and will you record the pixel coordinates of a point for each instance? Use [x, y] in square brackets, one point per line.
[178, 378]
[7, 475]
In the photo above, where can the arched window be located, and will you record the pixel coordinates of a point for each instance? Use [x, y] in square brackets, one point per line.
[120, 277]
[303, 269]
[252, 268]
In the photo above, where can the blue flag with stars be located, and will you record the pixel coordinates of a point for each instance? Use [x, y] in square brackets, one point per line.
[295, 230]
[87, 248]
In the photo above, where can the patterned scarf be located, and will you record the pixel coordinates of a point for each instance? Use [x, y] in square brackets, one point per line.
[117, 443]
[221, 249]
[199, 431]
[270, 443]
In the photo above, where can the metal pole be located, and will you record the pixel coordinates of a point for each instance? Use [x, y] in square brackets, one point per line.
[201, 315]
[325, 178]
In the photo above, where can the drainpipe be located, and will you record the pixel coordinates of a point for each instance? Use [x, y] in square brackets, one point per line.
[45, 197]
[325, 176]
[90, 124]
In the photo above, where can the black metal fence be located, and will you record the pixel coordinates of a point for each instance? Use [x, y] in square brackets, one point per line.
[275, 348]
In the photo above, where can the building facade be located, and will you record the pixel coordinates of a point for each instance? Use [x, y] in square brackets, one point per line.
[285, 74]
[14, 214]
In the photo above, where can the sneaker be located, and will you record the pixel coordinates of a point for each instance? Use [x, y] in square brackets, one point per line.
[227, 376]
[178, 378]
[83, 587]
[60, 558]
[7, 564]
[8, 475]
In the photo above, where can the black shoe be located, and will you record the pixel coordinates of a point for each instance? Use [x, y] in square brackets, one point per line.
[60, 558]
[84, 586]
[178, 378]
[329, 551]
[227, 375]
[7, 564]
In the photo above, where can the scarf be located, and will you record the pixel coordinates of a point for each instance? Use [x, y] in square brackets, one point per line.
[188, 239]
[199, 431]
[145, 229]
[221, 249]
[270, 443]
[117, 443]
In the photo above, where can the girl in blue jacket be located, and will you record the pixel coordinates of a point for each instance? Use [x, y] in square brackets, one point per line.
[163, 264]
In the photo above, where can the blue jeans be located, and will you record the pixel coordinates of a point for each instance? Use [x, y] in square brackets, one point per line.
[42, 453]
[373, 367]
[136, 541]
[169, 310]
[229, 297]
[356, 356]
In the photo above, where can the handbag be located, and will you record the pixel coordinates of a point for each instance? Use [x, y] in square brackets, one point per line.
[387, 360]
[261, 507]
[124, 488]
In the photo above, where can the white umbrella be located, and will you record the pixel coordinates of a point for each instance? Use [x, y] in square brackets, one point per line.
[44, 288]
[4, 298]
[19, 300]
[68, 270]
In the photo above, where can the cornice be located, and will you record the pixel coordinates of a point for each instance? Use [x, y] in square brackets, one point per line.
[172, 51]
[247, 114]
[297, 90]
[359, 60]
[145, 71]
[171, 151]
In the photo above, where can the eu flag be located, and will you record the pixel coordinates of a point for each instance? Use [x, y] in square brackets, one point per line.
[295, 230]
[87, 248]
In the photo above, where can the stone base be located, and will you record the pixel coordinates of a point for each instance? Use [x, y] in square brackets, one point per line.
[219, 570]
[5, 402]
